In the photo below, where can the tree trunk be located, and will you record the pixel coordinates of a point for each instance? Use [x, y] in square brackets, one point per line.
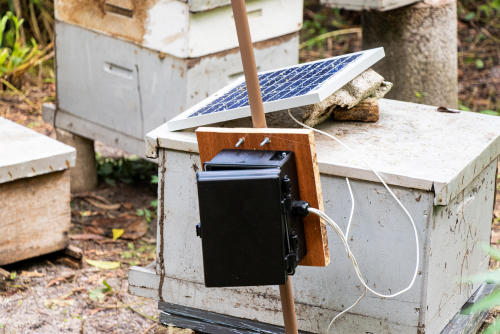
[420, 43]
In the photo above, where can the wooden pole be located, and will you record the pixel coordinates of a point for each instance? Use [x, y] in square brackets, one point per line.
[259, 121]
[288, 307]
[249, 66]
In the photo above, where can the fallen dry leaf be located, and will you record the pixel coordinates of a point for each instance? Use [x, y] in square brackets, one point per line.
[31, 274]
[87, 236]
[42, 312]
[94, 311]
[103, 264]
[95, 230]
[103, 206]
[9, 293]
[88, 194]
[495, 236]
[59, 279]
[86, 213]
[128, 206]
[134, 227]
[54, 304]
[117, 232]
[136, 230]
[93, 278]
[79, 289]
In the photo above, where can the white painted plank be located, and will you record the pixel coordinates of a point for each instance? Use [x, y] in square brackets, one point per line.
[381, 5]
[27, 153]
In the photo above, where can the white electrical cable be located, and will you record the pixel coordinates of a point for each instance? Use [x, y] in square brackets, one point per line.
[344, 238]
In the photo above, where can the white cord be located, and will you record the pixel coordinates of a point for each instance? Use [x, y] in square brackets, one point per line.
[343, 237]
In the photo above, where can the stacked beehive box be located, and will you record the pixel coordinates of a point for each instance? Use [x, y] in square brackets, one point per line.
[34, 193]
[126, 66]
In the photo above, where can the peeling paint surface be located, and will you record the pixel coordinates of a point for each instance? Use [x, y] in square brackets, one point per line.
[173, 27]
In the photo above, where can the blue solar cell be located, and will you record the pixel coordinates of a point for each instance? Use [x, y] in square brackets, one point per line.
[282, 84]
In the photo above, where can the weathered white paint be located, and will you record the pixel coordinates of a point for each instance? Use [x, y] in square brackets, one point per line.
[367, 4]
[170, 26]
[381, 238]
[412, 146]
[201, 5]
[27, 153]
[126, 90]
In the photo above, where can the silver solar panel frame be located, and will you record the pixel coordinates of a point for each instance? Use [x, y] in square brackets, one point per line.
[330, 86]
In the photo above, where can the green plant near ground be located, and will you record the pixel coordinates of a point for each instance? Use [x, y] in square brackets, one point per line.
[146, 252]
[493, 299]
[126, 170]
[99, 294]
[16, 58]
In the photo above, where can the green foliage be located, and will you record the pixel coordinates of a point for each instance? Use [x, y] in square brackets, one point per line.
[13, 275]
[146, 251]
[420, 97]
[126, 170]
[99, 294]
[462, 107]
[479, 64]
[15, 57]
[146, 213]
[490, 112]
[493, 299]
[319, 23]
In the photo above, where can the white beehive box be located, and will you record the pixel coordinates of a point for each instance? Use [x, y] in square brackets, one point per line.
[441, 166]
[34, 193]
[381, 5]
[116, 91]
[172, 27]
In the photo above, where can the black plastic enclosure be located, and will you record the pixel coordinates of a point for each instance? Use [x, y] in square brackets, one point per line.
[249, 236]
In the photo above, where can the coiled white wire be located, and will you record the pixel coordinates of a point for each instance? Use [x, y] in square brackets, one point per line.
[343, 237]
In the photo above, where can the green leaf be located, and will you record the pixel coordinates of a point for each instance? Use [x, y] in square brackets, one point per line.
[479, 64]
[110, 181]
[106, 169]
[13, 275]
[491, 251]
[103, 264]
[470, 16]
[98, 294]
[1, 325]
[130, 246]
[490, 112]
[107, 285]
[486, 303]
[117, 233]
[462, 107]
[154, 203]
[154, 179]
[140, 212]
[494, 328]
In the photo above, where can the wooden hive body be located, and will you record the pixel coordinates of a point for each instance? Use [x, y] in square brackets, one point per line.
[178, 28]
[447, 184]
[34, 193]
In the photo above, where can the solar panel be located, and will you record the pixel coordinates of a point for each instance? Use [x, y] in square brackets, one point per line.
[284, 88]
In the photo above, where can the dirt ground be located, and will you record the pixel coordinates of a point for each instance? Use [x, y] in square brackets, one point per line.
[47, 296]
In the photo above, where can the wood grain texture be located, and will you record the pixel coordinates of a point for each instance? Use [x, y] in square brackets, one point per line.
[212, 140]
[365, 111]
[34, 216]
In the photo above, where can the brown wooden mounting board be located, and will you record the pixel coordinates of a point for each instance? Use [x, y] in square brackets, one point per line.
[212, 140]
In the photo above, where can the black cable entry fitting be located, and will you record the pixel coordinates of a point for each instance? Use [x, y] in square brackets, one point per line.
[300, 208]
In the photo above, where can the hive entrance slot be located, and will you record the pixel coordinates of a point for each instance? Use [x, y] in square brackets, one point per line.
[109, 8]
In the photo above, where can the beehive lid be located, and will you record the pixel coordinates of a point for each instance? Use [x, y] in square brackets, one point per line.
[412, 145]
[26, 153]
[381, 5]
